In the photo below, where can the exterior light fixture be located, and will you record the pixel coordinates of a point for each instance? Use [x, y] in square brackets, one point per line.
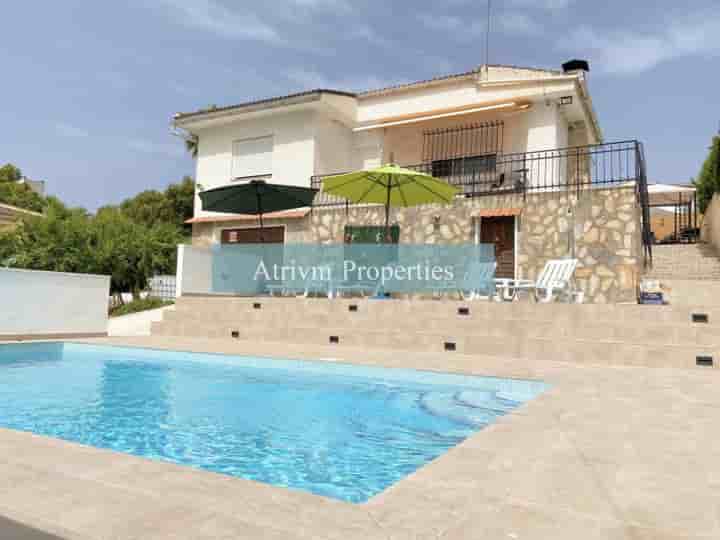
[436, 223]
[566, 100]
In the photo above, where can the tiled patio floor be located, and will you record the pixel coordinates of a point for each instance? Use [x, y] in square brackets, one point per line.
[607, 453]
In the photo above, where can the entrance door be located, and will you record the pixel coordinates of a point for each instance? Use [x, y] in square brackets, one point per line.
[500, 231]
[271, 235]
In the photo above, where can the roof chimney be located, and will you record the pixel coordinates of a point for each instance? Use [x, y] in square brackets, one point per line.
[574, 65]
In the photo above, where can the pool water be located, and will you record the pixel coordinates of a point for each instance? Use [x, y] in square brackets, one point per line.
[337, 430]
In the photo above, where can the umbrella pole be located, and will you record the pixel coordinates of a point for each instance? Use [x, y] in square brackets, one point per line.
[387, 213]
[260, 214]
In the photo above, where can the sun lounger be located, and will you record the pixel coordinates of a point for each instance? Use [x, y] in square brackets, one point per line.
[555, 281]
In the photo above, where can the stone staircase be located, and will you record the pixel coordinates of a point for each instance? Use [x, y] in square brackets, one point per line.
[685, 262]
[689, 274]
[660, 336]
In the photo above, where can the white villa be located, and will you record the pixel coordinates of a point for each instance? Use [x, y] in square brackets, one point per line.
[523, 144]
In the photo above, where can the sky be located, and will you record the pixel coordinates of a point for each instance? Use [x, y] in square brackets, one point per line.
[89, 88]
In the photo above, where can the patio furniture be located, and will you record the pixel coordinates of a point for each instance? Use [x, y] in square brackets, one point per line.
[287, 289]
[279, 288]
[555, 279]
[478, 281]
[321, 287]
[362, 289]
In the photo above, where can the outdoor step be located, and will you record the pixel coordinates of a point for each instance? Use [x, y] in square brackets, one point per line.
[642, 332]
[478, 313]
[564, 350]
[647, 327]
[685, 261]
[397, 309]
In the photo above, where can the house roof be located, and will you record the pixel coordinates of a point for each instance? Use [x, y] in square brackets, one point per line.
[266, 102]
[451, 78]
[316, 93]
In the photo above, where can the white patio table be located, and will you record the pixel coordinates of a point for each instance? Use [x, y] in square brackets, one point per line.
[508, 288]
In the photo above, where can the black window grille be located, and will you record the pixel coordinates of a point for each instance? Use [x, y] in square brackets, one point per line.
[480, 139]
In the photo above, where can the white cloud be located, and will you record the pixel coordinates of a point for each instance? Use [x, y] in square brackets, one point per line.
[309, 79]
[456, 27]
[213, 17]
[146, 146]
[629, 51]
[331, 5]
[523, 4]
[462, 29]
[518, 23]
[540, 4]
[67, 130]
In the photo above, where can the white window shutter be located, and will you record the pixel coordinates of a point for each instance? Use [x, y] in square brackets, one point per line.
[252, 157]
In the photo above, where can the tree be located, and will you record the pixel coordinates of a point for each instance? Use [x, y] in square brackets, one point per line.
[191, 145]
[10, 173]
[15, 194]
[130, 243]
[22, 196]
[151, 207]
[54, 242]
[148, 208]
[70, 240]
[708, 181]
[181, 198]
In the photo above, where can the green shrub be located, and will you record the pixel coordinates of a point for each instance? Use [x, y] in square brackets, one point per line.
[141, 304]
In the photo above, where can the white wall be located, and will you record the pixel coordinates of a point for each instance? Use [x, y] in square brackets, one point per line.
[405, 142]
[456, 94]
[194, 270]
[38, 303]
[333, 146]
[293, 158]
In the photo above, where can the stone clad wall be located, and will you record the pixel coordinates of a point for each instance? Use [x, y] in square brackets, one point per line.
[602, 231]
[601, 228]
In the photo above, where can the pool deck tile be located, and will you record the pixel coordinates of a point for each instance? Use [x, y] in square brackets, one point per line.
[626, 453]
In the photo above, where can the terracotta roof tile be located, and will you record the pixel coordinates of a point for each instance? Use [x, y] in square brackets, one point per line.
[497, 212]
[290, 214]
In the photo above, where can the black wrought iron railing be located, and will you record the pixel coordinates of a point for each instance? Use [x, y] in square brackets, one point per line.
[571, 169]
[644, 201]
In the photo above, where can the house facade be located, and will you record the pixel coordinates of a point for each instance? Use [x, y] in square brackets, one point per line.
[523, 145]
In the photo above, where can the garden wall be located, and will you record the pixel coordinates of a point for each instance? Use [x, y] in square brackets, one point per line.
[37, 304]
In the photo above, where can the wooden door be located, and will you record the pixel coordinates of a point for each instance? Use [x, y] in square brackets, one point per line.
[500, 231]
[271, 235]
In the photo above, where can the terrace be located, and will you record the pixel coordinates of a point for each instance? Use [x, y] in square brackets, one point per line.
[469, 157]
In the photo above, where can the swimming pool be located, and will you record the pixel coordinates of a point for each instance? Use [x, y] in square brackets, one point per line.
[338, 430]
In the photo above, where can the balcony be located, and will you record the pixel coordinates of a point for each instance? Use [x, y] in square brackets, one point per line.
[572, 170]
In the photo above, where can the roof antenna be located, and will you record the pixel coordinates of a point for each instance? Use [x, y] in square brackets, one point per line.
[487, 35]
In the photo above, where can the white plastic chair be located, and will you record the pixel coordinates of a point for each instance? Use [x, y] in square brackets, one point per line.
[555, 279]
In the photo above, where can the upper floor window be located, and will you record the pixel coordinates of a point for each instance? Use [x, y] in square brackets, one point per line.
[252, 157]
[471, 165]
[462, 141]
